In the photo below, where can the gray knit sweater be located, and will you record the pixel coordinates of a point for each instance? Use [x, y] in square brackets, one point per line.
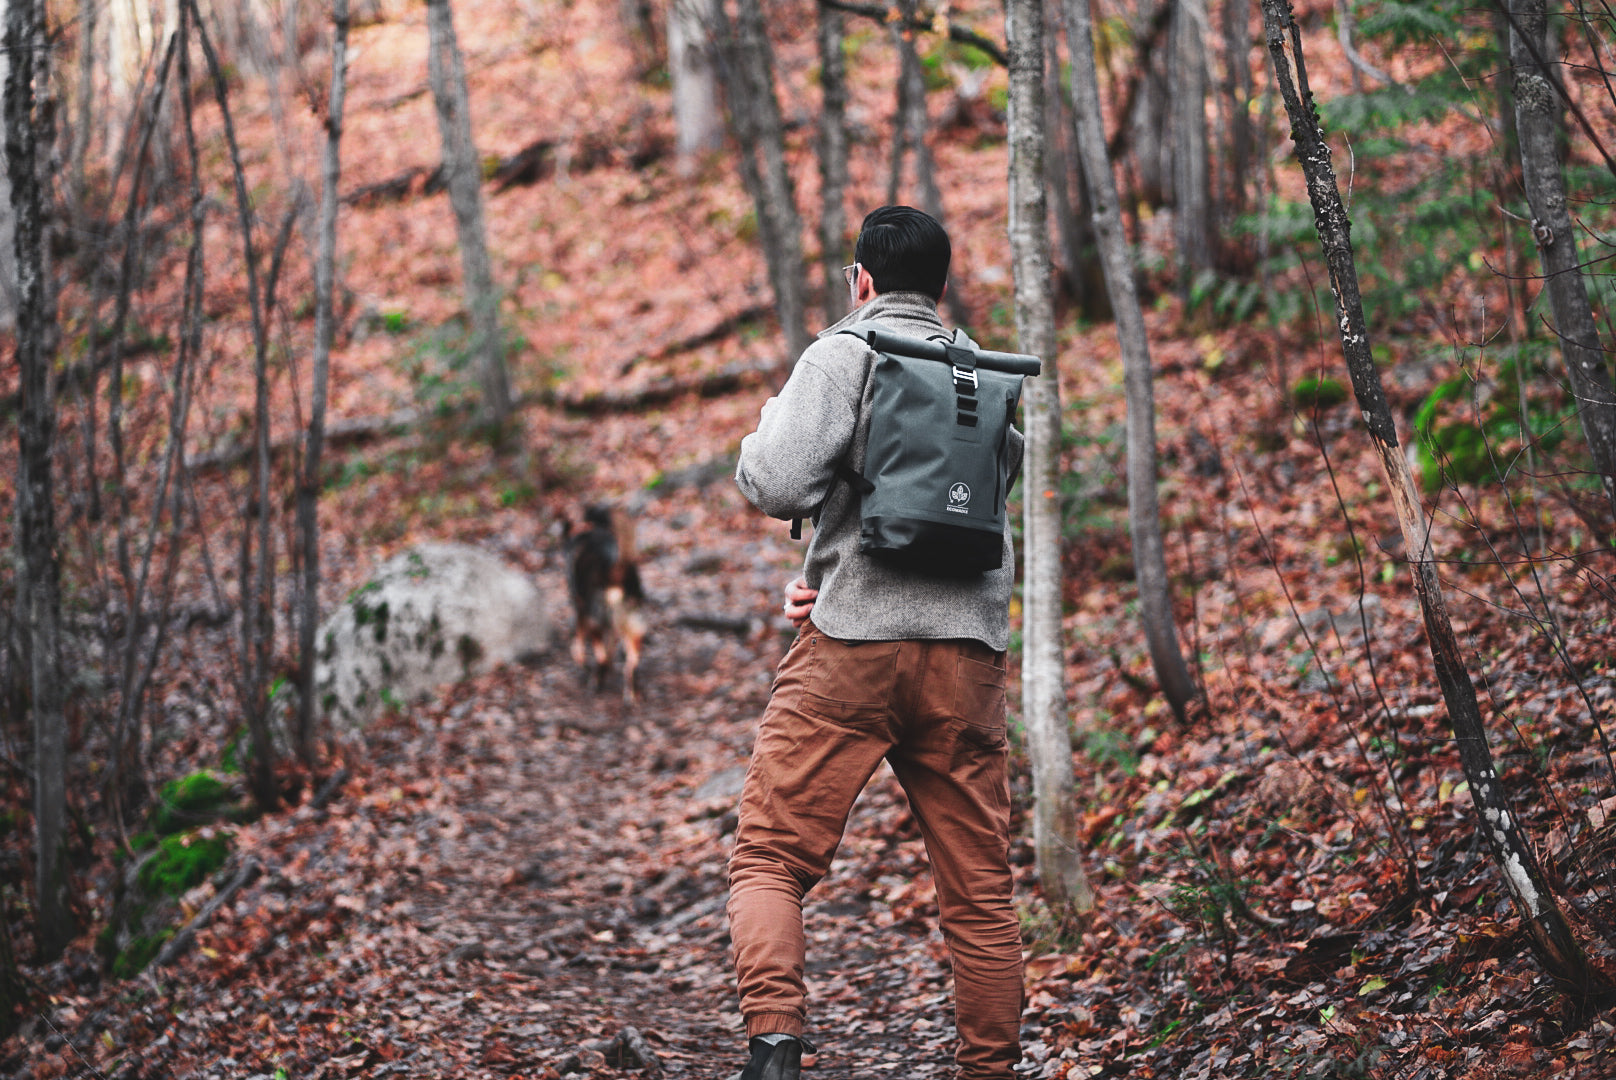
[787, 469]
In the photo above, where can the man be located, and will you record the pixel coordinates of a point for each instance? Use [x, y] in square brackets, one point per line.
[888, 663]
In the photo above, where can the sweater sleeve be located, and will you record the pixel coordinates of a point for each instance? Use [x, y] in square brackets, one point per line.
[788, 464]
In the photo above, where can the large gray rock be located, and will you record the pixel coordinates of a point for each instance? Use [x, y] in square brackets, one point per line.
[433, 615]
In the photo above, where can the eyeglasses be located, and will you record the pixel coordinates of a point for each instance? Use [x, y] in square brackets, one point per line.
[850, 275]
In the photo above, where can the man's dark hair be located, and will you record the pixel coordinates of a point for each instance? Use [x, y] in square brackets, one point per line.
[904, 250]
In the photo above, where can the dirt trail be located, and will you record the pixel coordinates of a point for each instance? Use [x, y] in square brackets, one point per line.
[567, 881]
[515, 874]
[615, 829]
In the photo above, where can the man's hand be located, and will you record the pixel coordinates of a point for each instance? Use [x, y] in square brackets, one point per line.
[799, 602]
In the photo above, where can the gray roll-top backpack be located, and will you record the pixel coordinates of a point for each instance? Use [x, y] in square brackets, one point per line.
[937, 469]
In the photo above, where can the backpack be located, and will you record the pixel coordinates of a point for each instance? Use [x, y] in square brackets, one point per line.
[937, 467]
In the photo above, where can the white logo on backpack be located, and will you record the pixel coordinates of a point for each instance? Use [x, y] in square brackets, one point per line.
[959, 499]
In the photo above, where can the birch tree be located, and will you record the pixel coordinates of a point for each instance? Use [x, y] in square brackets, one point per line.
[1538, 128]
[1546, 923]
[1043, 687]
[28, 138]
[446, 71]
[698, 123]
[1144, 507]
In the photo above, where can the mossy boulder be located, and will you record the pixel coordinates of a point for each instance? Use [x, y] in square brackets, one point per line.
[180, 863]
[147, 911]
[436, 614]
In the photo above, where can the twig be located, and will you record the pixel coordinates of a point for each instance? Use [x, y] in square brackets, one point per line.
[728, 624]
[329, 790]
[180, 943]
[1345, 24]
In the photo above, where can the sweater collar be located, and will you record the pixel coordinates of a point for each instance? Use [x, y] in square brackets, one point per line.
[893, 305]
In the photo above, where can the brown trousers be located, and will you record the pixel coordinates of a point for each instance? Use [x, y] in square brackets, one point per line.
[935, 711]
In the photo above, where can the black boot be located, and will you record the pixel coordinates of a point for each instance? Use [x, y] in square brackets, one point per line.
[781, 1061]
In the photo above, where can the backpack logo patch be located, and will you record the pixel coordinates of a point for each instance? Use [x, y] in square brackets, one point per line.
[959, 499]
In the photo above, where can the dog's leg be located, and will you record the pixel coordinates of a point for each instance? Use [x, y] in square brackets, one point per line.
[631, 632]
[603, 659]
[580, 656]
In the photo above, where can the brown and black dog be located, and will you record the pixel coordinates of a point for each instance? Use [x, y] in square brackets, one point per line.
[603, 578]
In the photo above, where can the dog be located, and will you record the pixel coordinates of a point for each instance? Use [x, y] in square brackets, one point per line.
[603, 579]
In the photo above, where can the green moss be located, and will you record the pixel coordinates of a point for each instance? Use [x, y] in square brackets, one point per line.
[188, 801]
[236, 751]
[469, 651]
[141, 951]
[377, 616]
[1318, 392]
[106, 943]
[183, 862]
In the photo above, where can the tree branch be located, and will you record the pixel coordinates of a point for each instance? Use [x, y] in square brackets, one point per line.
[926, 24]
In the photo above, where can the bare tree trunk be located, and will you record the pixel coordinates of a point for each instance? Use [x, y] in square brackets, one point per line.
[1192, 183]
[13, 986]
[132, 36]
[85, 114]
[1551, 935]
[833, 163]
[1150, 117]
[28, 138]
[1043, 684]
[640, 27]
[1506, 182]
[1537, 123]
[1237, 89]
[126, 781]
[257, 573]
[8, 249]
[1068, 192]
[446, 71]
[912, 126]
[754, 111]
[308, 491]
[1144, 509]
[698, 123]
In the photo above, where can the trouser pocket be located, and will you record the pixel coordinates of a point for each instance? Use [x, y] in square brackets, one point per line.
[850, 683]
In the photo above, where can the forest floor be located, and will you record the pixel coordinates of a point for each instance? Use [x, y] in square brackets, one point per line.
[501, 882]
[505, 880]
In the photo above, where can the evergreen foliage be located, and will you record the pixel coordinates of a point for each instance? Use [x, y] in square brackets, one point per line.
[1416, 230]
[1472, 429]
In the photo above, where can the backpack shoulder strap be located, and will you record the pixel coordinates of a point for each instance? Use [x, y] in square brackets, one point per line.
[865, 332]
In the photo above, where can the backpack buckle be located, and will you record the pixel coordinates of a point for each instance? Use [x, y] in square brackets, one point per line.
[965, 376]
